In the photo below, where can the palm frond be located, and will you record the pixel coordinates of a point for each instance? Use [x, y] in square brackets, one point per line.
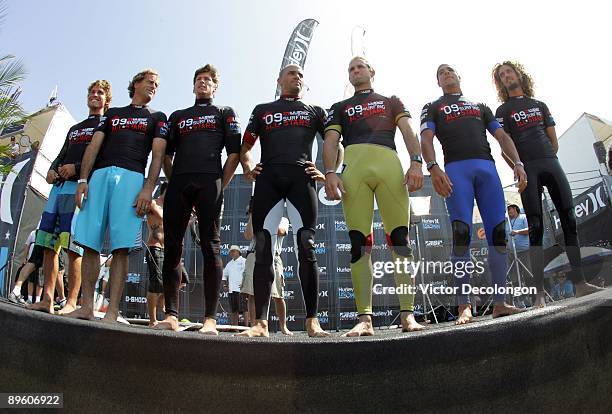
[12, 71]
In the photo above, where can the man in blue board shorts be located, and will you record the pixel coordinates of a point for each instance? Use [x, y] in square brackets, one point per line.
[117, 195]
[57, 218]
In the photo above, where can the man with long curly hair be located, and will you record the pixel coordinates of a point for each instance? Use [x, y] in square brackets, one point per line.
[532, 128]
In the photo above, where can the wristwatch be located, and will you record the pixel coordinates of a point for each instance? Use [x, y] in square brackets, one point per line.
[518, 163]
[82, 181]
[417, 158]
[431, 164]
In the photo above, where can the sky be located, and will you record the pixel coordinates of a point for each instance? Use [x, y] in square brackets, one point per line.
[564, 45]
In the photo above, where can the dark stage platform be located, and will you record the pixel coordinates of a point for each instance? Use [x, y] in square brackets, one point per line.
[556, 359]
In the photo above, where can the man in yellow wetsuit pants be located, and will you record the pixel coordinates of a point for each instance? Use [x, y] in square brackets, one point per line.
[367, 122]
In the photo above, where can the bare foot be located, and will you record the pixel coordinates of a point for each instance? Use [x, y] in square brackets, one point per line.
[584, 288]
[465, 315]
[409, 324]
[153, 324]
[168, 324]
[43, 306]
[363, 328]
[285, 331]
[540, 301]
[209, 327]
[81, 313]
[110, 317]
[260, 329]
[503, 309]
[69, 307]
[313, 327]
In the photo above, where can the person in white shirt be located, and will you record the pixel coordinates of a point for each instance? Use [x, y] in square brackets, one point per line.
[232, 279]
[14, 151]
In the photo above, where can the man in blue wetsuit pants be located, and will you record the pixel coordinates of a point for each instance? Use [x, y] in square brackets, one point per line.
[461, 126]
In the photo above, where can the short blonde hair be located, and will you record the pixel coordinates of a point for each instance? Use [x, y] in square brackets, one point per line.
[362, 58]
[106, 87]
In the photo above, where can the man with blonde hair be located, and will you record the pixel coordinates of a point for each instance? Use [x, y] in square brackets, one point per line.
[367, 123]
[117, 195]
[54, 232]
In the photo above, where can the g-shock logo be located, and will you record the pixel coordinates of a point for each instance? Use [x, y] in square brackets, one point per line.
[135, 299]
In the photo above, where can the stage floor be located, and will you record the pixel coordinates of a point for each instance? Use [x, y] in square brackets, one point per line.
[557, 358]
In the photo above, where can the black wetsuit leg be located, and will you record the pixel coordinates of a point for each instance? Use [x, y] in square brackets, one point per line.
[186, 191]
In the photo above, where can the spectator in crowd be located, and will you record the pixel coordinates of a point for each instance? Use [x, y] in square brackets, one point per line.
[277, 293]
[32, 262]
[563, 287]
[517, 234]
[14, 149]
[232, 279]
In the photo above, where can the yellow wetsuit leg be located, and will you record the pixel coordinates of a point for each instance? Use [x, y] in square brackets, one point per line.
[373, 170]
[394, 207]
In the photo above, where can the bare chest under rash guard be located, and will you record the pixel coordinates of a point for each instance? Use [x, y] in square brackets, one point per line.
[366, 118]
[461, 126]
[129, 133]
[286, 129]
[525, 120]
[198, 134]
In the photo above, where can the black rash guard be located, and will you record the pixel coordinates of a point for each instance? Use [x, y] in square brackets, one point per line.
[287, 128]
[366, 118]
[461, 127]
[525, 120]
[129, 133]
[198, 134]
[78, 138]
